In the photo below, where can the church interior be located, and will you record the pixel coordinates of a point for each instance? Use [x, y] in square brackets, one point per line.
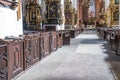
[59, 40]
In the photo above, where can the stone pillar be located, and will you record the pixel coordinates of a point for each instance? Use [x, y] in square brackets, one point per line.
[97, 10]
[79, 12]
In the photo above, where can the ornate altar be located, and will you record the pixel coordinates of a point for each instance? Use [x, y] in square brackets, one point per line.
[52, 15]
[53, 11]
[68, 14]
[114, 12]
[33, 15]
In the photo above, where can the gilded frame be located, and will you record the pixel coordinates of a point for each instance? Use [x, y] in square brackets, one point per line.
[33, 14]
[52, 10]
[69, 14]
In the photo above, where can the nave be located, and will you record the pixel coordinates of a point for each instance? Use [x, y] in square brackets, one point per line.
[86, 58]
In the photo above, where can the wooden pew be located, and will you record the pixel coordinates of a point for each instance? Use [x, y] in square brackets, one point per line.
[46, 44]
[27, 50]
[66, 37]
[54, 41]
[15, 56]
[4, 61]
[59, 39]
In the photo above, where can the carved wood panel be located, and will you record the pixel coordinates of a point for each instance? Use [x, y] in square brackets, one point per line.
[54, 41]
[27, 52]
[15, 49]
[41, 44]
[46, 44]
[60, 39]
[17, 56]
[35, 48]
[66, 37]
[3, 62]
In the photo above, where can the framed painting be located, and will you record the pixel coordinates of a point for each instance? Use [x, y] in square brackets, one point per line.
[32, 15]
[116, 15]
[52, 10]
[68, 16]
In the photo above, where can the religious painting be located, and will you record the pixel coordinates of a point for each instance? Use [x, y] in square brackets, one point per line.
[33, 15]
[68, 17]
[52, 10]
[116, 16]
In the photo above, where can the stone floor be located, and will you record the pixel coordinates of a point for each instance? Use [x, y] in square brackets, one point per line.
[87, 58]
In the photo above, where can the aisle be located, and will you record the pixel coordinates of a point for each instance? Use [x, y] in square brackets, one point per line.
[85, 59]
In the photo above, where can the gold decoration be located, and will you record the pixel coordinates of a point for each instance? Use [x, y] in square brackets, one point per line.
[19, 10]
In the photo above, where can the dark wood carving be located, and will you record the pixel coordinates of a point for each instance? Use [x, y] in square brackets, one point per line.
[54, 41]
[27, 52]
[60, 39]
[66, 37]
[46, 44]
[31, 50]
[72, 33]
[35, 47]
[3, 61]
[41, 44]
[15, 50]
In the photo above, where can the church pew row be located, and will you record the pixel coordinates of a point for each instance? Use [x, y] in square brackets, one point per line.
[11, 58]
[113, 37]
[19, 53]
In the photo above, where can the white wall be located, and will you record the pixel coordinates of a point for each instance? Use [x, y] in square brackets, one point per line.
[9, 26]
